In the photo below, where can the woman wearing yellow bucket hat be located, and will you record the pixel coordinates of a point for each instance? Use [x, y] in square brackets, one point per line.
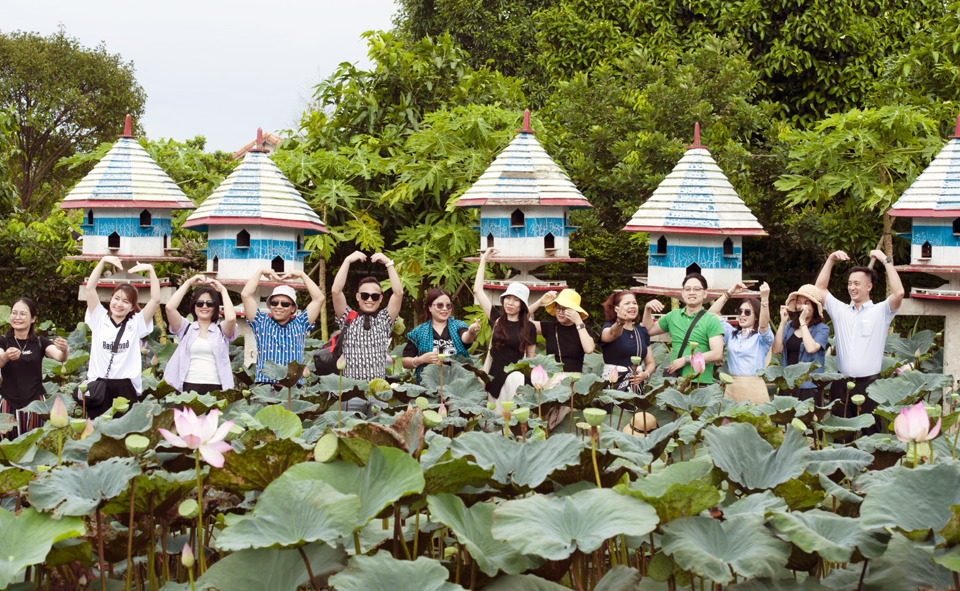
[568, 338]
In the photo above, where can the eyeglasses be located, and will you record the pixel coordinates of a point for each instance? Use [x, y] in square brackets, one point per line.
[370, 296]
[442, 306]
[280, 303]
[692, 289]
[746, 312]
[206, 304]
[19, 314]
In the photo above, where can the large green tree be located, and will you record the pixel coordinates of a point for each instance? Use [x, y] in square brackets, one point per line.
[65, 98]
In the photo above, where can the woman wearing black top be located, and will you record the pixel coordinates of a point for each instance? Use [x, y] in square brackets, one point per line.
[568, 339]
[21, 359]
[514, 336]
[621, 339]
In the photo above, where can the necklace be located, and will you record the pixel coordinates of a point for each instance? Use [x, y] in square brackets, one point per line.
[17, 341]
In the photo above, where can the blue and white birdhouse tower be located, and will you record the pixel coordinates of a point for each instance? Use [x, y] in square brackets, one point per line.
[696, 222]
[525, 200]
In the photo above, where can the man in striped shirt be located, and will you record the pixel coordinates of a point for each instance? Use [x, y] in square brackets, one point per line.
[281, 334]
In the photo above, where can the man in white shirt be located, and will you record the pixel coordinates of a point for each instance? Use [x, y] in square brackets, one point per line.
[860, 329]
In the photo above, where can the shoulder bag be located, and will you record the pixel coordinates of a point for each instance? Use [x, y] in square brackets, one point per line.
[96, 390]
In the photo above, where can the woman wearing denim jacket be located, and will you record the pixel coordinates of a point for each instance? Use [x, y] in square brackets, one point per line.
[201, 362]
[802, 336]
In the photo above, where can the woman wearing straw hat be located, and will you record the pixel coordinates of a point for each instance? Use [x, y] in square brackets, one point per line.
[514, 336]
[747, 344]
[568, 338]
[623, 338]
[802, 336]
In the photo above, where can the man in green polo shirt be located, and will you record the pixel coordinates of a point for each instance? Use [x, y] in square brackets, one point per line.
[707, 333]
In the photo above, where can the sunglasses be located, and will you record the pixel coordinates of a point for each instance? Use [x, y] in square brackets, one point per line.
[370, 296]
[447, 306]
[746, 312]
[280, 303]
[206, 304]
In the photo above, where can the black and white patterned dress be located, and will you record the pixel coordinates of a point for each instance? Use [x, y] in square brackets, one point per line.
[365, 351]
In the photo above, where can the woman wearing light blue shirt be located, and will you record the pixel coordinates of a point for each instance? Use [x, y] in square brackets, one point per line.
[747, 344]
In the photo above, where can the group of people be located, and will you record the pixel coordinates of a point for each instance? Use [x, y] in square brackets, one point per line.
[201, 361]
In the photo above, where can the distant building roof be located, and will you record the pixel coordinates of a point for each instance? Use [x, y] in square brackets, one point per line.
[523, 174]
[936, 192]
[695, 198]
[256, 193]
[269, 144]
[127, 177]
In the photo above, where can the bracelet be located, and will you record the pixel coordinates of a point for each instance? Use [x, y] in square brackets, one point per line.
[765, 304]
[388, 264]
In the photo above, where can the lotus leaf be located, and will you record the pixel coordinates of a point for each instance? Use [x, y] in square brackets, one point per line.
[908, 349]
[928, 491]
[839, 492]
[681, 489]
[849, 460]
[256, 467]
[524, 464]
[287, 375]
[831, 536]
[160, 490]
[382, 571]
[388, 475]
[276, 570]
[13, 478]
[702, 401]
[766, 584]
[748, 460]
[906, 566]
[200, 404]
[716, 549]
[783, 409]
[13, 451]
[282, 422]
[908, 388]
[7, 423]
[524, 583]
[26, 539]
[757, 504]
[835, 424]
[639, 450]
[581, 521]
[788, 378]
[472, 526]
[143, 419]
[82, 489]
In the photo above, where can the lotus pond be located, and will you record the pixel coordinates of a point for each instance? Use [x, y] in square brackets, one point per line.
[719, 496]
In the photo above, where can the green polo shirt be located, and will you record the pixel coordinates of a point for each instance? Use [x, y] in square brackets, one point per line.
[677, 322]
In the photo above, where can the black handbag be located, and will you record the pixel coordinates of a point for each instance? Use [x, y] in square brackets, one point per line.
[96, 391]
[325, 360]
[686, 338]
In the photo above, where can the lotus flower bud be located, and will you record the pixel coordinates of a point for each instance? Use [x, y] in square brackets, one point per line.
[449, 552]
[87, 430]
[154, 361]
[306, 372]
[144, 350]
[421, 402]
[614, 376]
[539, 378]
[858, 399]
[697, 362]
[431, 418]
[78, 425]
[507, 405]
[442, 410]
[136, 444]
[798, 425]
[186, 558]
[522, 414]
[341, 363]
[58, 414]
[390, 360]
[189, 509]
[594, 416]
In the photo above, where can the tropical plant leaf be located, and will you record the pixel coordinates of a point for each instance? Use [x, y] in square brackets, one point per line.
[849, 460]
[81, 489]
[523, 583]
[256, 467]
[679, 490]
[276, 570]
[750, 461]
[619, 578]
[907, 388]
[716, 549]
[840, 493]
[382, 571]
[831, 536]
[13, 478]
[26, 539]
[143, 419]
[639, 450]
[160, 490]
[756, 504]
[13, 451]
[524, 464]
[788, 378]
[906, 566]
[581, 521]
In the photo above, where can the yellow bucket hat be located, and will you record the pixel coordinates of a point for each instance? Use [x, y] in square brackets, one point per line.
[567, 298]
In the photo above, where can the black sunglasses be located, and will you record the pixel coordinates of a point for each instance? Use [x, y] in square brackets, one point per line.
[206, 304]
[370, 296]
[281, 303]
[746, 312]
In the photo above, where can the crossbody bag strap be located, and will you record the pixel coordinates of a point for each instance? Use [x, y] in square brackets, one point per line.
[116, 345]
[686, 338]
[556, 335]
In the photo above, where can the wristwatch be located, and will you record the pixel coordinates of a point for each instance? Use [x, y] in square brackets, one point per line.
[889, 260]
[581, 325]
[764, 303]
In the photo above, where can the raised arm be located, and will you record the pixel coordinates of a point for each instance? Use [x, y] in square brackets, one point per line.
[543, 301]
[478, 292]
[778, 338]
[248, 296]
[229, 324]
[764, 322]
[823, 278]
[721, 301]
[174, 319]
[336, 290]
[316, 296]
[154, 302]
[59, 350]
[93, 300]
[896, 286]
[396, 287]
[651, 307]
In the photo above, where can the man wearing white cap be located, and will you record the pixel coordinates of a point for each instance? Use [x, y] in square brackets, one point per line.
[282, 333]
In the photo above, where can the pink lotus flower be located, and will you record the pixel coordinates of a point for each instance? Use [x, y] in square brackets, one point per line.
[58, 414]
[904, 368]
[200, 433]
[697, 362]
[186, 558]
[539, 378]
[913, 424]
[614, 376]
[442, 411]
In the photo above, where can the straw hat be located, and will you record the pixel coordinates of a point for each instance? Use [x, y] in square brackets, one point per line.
[517, 290]
[636, 426]
[567, 298]
[811, 292]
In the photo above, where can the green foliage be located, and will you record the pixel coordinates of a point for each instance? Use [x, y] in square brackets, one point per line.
[26, 539]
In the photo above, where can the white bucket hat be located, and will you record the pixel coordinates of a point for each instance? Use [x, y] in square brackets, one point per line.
[517, 290]
[284, 290]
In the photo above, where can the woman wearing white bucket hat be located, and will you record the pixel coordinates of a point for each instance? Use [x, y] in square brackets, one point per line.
[514, 336]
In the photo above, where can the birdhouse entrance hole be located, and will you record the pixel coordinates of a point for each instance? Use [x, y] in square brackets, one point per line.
[113, 240]
[549, 241]
[277, 264]
[490, 240]
[662, 245]
[243, 239]
[728, 248]
[956, 226]
[216, 264]
[926, 251]
[516, 219]
[146, 219]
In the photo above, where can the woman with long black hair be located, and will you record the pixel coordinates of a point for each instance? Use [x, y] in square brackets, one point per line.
[747, 344]
[21, 364]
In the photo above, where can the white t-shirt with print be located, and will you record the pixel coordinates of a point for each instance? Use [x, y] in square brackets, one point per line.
[128, 362]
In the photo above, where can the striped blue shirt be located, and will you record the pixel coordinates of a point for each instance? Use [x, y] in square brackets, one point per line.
[280, 343]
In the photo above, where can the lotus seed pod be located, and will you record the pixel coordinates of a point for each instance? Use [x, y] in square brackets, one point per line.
[83, 386]
[583, 425]
[421, 402]
[42, 468]
[798, 425]
[507, 405]
[933, 411]
[78, 425]
[851, 385]
[326, 448]
[431, 418]
[245, 393]
[121, 404]
[726, 378]
[234, 432]
[441, 356]
[522, 414]
[189, 509]
[594, 416]
[379, 385]
[136, 444]
[858, 399]
[537, 434]
[636, 360]
[449, 552]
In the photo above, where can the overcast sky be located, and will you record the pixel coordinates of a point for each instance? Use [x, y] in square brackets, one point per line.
[215, 68]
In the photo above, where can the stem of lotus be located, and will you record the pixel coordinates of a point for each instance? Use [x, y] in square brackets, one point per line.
[955, 445]
[306, 561]
[133, 491]
[356, 543]
[290, 398]
[539, 406]
[190, 575]
[594, 435]
[441, 382]
[103, 572]
[416, 533]
[915, 444]
[200, 553]
[863, 573]
[339, 399]
[623, 544]
[571, 407]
